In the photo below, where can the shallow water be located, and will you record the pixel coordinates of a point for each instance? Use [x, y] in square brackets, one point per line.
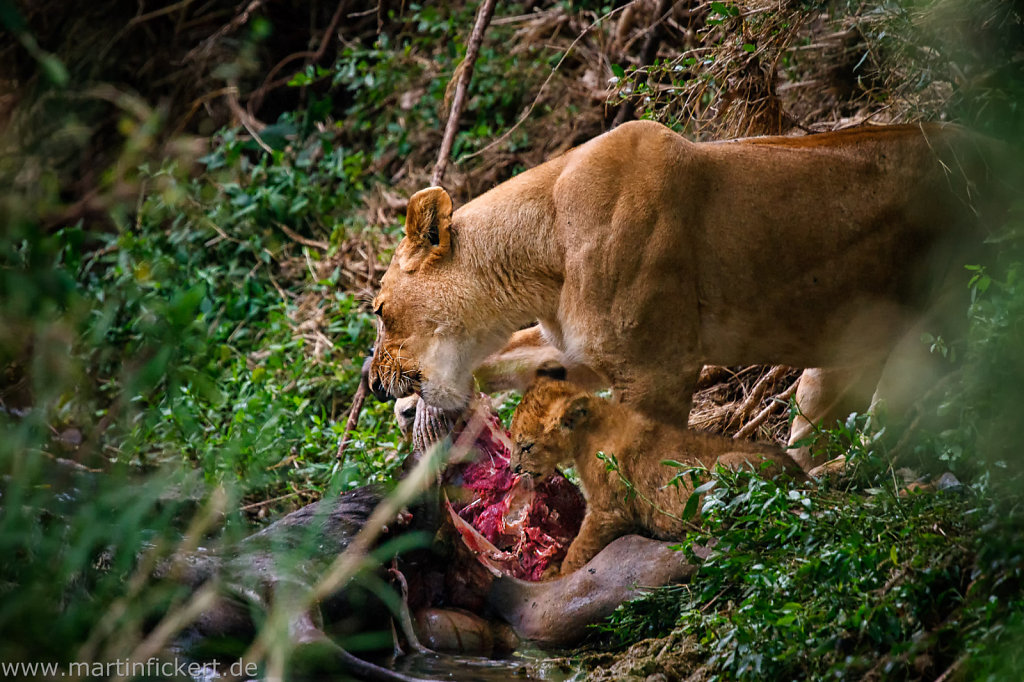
[526, 664]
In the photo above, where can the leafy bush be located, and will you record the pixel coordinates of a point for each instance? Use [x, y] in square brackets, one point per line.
[811, 583]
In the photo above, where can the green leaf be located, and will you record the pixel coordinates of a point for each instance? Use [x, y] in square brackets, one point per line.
[618, 71]
[721, 9]
[705, 487]
[54, 69]
[690, 510]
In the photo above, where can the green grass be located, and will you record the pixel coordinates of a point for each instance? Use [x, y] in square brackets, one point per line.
[824, 584]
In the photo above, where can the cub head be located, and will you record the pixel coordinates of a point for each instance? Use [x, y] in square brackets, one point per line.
[546, 423]
[424, 339]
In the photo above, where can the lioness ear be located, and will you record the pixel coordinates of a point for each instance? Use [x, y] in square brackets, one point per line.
[577, 411]
[428, 222]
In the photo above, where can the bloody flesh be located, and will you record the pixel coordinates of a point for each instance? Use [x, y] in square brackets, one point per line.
[534, 522]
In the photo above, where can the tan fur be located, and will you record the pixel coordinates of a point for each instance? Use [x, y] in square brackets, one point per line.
[515, 365]
[556, 424]
[645, 256]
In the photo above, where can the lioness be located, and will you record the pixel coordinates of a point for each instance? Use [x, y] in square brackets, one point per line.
[557, 423]
[645, 256]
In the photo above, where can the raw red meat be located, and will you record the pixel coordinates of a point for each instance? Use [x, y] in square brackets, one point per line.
[533, 523]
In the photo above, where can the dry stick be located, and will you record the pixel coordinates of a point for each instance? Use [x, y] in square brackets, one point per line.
[404, 616]
[353, 414]
[207, 45]
[505, 135]
[268, 84]
[251, 124]
[194, 107]
[951, 670]
[140, 18]
[463, 74]
[305, 241]
[756, 393]
[272, 500]
[780, 399]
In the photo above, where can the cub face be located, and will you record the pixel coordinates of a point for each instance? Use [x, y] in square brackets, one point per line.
[544, 426]
[423, 340]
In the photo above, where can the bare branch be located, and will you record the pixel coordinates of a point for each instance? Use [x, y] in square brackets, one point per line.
[463, 74]
[357, 406]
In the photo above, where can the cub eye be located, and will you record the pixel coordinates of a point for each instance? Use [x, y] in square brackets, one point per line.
[525, 447]
[379, 310]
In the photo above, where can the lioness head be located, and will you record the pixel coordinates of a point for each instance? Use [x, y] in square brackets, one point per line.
[425, 310]
[545, 424]
[411, 309]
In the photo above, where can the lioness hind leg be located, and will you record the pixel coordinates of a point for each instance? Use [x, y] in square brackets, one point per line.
[913, 369]
[827, 395]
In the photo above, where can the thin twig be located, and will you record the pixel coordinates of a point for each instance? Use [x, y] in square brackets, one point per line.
[404, 615]
[251, 124]
[138, 19]
[505, 135]
[463, 75]
[780, 399]
[756, 393]
[269, 84]
[194, 107]
[207, 45]
[353, 414]
[647, 55]
[951, 670]
[272, 500]
[305, 241]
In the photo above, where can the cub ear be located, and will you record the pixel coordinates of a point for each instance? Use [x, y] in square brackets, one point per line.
[552, 370]
[577, 412]
[428, 222]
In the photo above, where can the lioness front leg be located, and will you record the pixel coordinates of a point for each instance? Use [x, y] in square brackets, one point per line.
[664, 394]
[597, 530]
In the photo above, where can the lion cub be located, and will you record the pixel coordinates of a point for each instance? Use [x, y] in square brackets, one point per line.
[557, 423]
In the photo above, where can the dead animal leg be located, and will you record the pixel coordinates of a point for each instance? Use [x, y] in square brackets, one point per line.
[404, 617]
[315, 647]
